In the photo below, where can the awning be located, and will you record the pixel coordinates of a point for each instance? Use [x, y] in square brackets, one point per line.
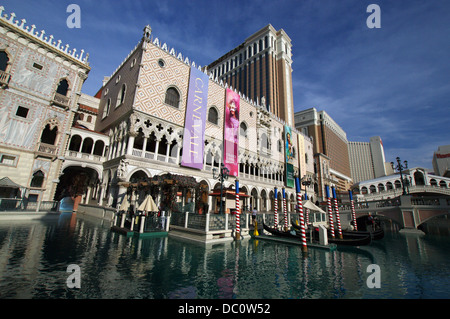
[7, 182]
[310, 205]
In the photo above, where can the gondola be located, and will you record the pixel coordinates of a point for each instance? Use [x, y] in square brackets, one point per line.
[280, 233]
[352, 234]
[358, 241]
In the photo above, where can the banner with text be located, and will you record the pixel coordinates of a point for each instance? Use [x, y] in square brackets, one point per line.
[194, 126]
[231, 132]
[290, 182]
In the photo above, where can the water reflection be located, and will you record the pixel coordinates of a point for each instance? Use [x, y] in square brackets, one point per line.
[34, 257]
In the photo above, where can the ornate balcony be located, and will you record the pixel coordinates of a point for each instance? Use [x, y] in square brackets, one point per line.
[47, 149]
[61, 100]
[4, 78]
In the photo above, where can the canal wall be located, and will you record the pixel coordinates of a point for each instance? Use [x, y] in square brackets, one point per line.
[106, 213]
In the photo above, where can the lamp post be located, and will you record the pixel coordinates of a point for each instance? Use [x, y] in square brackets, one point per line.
[306, 181]
[222, 175]
[400, 168]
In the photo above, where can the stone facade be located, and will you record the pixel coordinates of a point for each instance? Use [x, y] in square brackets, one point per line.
[38, 99]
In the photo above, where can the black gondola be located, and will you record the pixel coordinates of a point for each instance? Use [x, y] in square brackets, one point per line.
[356, 241]
[352, 234]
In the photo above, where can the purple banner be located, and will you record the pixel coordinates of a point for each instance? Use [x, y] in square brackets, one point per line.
[231, 132]
[194, 126]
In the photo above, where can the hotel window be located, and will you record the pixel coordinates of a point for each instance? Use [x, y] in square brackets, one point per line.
[49, 135]
[243, 129]
[172, 97]
[213, 115]
[8, 160]
[106, 109]
[38, 179]
[63, 87]
[121, 96]
[22, 112]
[4, 59]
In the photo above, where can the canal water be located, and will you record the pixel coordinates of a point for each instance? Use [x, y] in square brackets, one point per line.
[35, 257]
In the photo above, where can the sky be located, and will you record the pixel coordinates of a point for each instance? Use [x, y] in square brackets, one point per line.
[392, 81]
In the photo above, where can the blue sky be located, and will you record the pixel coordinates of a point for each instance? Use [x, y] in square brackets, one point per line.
[393, 82]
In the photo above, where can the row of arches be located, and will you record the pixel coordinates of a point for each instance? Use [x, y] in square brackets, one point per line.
[418, 178]
[87, 145]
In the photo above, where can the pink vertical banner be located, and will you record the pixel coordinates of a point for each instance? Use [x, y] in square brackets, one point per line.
[231, 132]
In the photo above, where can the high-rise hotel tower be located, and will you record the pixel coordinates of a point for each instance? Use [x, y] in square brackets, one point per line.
[261, 69]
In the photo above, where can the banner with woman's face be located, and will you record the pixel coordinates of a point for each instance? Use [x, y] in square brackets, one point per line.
[231, 132]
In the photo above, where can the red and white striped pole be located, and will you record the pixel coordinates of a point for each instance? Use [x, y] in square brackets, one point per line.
[238, 213]
[336, 210]
[276, 209]
[300, 213]
[353, 211]
[306, 211]
[330, 211]
[285, 210]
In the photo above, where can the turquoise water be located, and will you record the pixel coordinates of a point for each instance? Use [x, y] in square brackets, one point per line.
[35, 255]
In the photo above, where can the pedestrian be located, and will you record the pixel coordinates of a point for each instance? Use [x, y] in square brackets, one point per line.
[254, 216]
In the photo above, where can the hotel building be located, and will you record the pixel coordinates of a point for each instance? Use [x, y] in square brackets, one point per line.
[143, 109]
[261, 69]
[367, 159]
[332, 164]
[56, 141]
[41, 81]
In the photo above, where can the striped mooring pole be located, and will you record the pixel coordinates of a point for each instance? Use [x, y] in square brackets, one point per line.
[285, 210]
[276, 209]
[238, 213]
[330, 211]
[300, 213]
[306, 211]
[336, 210]
[353, 211]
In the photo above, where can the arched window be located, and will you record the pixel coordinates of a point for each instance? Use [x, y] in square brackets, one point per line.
[106, 109]
[48, 135]
[121, 96]
[98, 148]
[213, 115]
[38, 179]
[87, 145]
[418, 178]
[163, 144]
[75, 143]
[63, 87]
[172, 97]
[4, 59]
[243, 129]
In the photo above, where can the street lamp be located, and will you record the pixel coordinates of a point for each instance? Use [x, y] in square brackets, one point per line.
[222, 175]
[306, 181]
[399, 168]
